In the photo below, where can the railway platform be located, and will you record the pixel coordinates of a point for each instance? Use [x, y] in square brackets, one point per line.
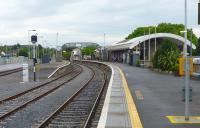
[158, 97]
[10, 66]
[119, 110]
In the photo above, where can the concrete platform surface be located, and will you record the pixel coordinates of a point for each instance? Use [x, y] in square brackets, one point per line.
[158, 96]
[116, 112]
[10, 66]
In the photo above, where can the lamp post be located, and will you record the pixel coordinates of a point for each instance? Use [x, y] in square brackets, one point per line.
[104, 43]
[104, 40]
[191, 43]
[155, 39]
[149, 45]
[186, 68]
[56, 44]
[144, 49]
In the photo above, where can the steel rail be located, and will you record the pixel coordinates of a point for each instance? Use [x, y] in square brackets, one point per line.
[95, 103]
[66, 103]
[11, 71]
[38, 97]
[34, 88]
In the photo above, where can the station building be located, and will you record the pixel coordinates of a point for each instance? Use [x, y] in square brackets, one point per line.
[142, 48]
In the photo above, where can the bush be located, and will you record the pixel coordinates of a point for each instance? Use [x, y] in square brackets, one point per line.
[23, 52]
[197, 50]
[138, 63]
[66, 55]
[166, 57]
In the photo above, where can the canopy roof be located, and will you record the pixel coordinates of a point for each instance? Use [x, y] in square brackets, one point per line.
[130, 44]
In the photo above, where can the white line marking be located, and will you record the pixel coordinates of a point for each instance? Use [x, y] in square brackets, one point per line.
[104, 113]
[63, 65]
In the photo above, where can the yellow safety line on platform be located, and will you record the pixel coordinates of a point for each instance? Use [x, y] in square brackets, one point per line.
[181, 120]
[133, 113]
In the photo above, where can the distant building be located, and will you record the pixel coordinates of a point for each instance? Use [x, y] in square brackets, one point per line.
[79, 44]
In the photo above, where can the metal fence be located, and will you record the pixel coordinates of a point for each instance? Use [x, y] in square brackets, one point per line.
[13, 60]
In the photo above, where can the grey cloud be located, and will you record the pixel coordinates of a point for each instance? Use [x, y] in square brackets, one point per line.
[91, 17]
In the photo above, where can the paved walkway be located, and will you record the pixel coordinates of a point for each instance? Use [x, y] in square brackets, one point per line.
[159, 95]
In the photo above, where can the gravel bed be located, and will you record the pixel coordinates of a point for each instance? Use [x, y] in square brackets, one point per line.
[12, 84]
[38, 111]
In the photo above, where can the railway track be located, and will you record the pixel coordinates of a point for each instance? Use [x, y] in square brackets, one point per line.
[8, 72]
[79, 109]
[17, 102]
[94, 117]
[31, 89]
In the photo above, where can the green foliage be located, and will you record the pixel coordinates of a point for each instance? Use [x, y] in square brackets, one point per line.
[197, 50]
[138, 62]
[166, 57]
[66, 55]
[163, 28]
[23, 52]
[88, 50]
[18, 49]
[45, 51]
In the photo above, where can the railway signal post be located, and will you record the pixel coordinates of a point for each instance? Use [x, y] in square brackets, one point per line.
[34, 40]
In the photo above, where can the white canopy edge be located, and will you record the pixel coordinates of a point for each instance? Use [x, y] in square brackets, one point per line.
[135, 41]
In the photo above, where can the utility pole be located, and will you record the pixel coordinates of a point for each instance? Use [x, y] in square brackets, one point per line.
[155, 39]
[149, 45]
[191, 43]
[104, 40]
[144, 49]
[29, 47]
[103, 50]
[187, 77]
[56, 44]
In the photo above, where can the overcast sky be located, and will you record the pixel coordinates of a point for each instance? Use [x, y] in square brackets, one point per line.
[87, 20]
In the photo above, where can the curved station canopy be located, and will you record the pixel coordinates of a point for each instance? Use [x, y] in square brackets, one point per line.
[130, 44]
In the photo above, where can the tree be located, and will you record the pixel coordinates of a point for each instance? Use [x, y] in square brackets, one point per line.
[66, 55]
[88, 50]
[166, 57]
[16, 46]
[197, 50]
[23, 52]
[163, 28]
